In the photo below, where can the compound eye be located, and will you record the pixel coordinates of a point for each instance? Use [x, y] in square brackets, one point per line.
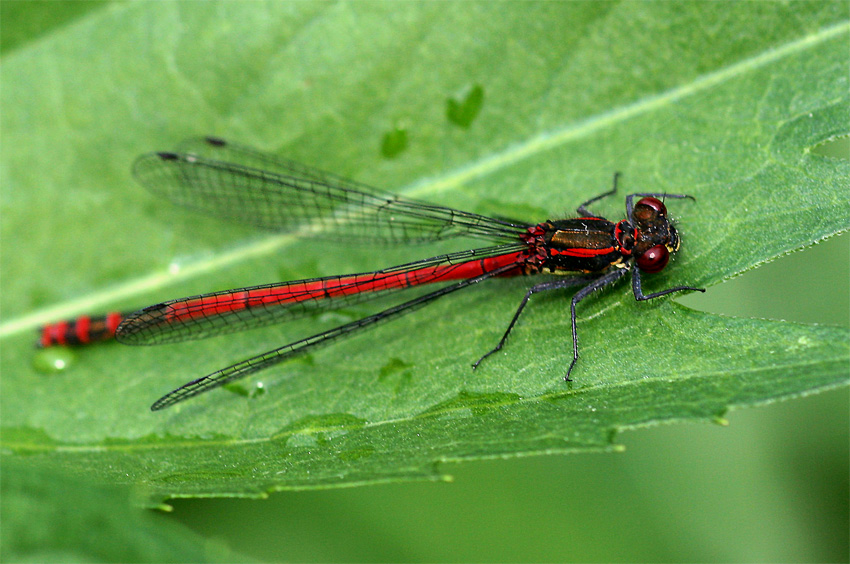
[654, 204]
[654, 259]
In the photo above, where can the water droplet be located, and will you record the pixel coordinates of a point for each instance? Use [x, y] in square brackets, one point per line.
[836, 148]
[237, 389]
[394, 142]
[53, 360]
[391, 367]
[258, 390]
[254, 391]
[462, 110]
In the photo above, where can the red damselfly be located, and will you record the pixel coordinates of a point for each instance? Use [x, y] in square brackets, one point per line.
[239, 183]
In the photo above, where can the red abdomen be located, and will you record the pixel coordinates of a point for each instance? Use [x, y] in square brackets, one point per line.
[80, 331]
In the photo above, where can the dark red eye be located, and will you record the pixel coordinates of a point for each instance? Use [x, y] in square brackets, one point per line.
[653, 203]
[655, 258]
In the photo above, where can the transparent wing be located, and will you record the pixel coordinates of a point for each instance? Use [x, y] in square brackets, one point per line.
[240, 183]
[268, 359]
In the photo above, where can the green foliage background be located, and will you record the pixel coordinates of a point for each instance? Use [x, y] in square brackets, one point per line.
[721, 100]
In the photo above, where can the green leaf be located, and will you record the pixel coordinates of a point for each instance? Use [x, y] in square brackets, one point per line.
[724, 101]
[51, 517]
[24, 22]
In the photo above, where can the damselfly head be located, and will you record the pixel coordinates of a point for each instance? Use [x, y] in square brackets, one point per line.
[657, 237]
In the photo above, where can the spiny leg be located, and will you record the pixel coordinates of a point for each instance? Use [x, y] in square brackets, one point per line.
[542, 287]
[597, 284]
[582, 209]
[638, 291]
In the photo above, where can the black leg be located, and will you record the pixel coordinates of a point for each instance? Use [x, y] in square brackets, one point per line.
[597, 284]
[594, 284]
[638, 291]
[542, 287]
[582, 209]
